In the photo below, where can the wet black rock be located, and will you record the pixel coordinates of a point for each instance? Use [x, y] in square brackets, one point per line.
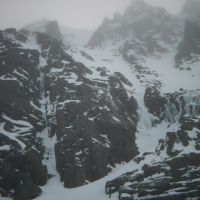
[22, 173]
[26, 189]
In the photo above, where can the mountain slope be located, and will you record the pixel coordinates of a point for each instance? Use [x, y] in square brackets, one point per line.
[115, 119]
[142, 23]
[84, 117]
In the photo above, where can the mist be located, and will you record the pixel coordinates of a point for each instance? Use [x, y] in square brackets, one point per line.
[79, 14]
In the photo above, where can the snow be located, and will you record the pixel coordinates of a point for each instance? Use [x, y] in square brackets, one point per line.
[5, 148]
[72, 79]
[49, 156]
[107, 58]
[147, 139]
[8, 78]
[12, 136]
[36, 107]
[56, 70]
[116, 119]
[105, 144]
[173, 78]
[19, 74]
[31, 43]
[65, 62]
[20, 122]
[68, 101]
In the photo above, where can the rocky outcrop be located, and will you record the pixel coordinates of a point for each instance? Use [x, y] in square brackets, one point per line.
[171, 171]
[154, 101]
[181, 106]
[158, 180]
[21, 173]
[95, 120]
[189, 48]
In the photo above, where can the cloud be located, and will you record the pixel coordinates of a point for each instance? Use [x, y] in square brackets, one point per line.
[72, 13]
[173, 6]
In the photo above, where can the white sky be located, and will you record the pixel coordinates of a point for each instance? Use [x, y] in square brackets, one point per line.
[86, 14]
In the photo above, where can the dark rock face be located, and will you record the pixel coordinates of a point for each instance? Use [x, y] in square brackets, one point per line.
[26, 190]
[189, 48]
[34, 167]
[22, 173]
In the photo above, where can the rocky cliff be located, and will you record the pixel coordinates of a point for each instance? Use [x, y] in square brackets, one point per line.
[46, 94]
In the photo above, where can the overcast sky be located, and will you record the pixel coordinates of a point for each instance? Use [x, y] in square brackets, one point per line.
[87, 14]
